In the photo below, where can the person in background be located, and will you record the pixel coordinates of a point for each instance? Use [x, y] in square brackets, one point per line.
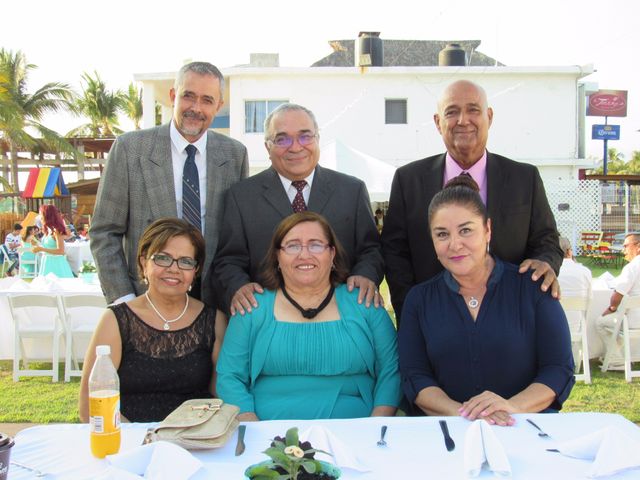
[13, 241]
[181, 169]
[522, 221]
[480, 339]
[52, 245]
[294, 183]
[309, 349]
[379, 218]
[164, 343]
[29, 241]
[575, 281]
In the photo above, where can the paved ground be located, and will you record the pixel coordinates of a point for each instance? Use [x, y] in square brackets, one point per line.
[12, 428]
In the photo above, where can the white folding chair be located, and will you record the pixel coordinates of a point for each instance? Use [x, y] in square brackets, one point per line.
[28, 263]
[81, 314]
[622, 329]
[579, 305]
[30, 320]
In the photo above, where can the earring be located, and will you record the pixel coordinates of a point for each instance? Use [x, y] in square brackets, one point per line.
[333, 266]
[190, 287]
[145, 281]
[487, 247]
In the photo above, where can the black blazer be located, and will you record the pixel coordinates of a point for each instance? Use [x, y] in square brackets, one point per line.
[255, 206]
[522, 223]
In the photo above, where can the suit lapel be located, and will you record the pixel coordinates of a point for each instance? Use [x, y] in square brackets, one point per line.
[157, 171]
[494, 190]
[321, 190]
[432, 178]
[215, 158]
[274, 193]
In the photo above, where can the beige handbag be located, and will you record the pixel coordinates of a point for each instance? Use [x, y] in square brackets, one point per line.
[197, 424]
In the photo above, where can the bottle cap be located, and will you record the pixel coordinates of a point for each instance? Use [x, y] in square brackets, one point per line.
[103, 350]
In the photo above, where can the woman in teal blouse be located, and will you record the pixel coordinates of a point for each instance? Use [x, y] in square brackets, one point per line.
[309, 350]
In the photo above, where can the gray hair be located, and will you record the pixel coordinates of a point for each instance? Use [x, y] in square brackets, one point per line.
[565, 245]
[201, 68]
[287, 107]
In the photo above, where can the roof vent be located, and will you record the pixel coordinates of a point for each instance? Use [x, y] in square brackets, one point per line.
[453, 55]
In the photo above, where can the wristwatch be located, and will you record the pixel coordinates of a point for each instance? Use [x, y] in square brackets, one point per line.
[612, 308]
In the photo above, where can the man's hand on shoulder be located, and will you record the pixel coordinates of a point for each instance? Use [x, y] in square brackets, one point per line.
[243, 300]
[542, 269]
[368, 290]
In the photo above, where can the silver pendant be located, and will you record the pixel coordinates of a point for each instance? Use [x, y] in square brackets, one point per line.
[166, 326]
[473, 302]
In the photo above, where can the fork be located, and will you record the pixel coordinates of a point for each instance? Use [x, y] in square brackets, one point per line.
[383, 432]
[541, 433]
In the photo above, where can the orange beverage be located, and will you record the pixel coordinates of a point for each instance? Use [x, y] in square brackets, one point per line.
[104, 412]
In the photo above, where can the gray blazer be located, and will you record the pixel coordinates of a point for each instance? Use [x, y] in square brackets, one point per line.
[256, 205]
[137, 188]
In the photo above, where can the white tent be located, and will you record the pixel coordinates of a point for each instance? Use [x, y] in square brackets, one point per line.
[375, 173]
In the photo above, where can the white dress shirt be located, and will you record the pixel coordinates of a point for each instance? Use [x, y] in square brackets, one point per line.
[291, 190]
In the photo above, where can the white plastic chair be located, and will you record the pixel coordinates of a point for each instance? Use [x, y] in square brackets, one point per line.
[35, 326]
[79, 324]
[621, 329]
[579, 305]
[28, 264]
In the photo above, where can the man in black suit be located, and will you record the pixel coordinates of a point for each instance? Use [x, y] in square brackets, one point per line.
[294, 182]
[523, 228]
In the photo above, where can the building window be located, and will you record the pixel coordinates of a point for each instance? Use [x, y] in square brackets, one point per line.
[395, 111]
[256, 112]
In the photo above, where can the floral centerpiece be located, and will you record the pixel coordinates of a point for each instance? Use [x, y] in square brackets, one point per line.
[291, 459]
[88, 272]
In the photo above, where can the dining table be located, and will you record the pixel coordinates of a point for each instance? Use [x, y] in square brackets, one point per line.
[415, 448]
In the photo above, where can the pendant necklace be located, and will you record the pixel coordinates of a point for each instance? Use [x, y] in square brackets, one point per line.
[167, 322]
[473, 302]
[309, 312]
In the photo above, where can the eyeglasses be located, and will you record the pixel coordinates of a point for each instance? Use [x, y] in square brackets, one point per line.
[314, 248]
[285, 141]
[184, 263]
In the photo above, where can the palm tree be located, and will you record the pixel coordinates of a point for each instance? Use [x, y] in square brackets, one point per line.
[615, 163]
[100, 106]
[133, 105]
[22, 112]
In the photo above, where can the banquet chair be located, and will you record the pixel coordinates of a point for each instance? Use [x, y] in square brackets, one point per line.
[28, 264]
[49, 326]
[80, 324]
[579, 305]
[627, 334]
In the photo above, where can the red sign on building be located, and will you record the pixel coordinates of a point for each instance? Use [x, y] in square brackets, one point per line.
[608, 103]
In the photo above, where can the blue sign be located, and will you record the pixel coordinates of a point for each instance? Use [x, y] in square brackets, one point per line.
[605, 132]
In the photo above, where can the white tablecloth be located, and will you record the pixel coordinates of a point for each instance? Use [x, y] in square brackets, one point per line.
[77, 252]
[415, 447]
[48, 285]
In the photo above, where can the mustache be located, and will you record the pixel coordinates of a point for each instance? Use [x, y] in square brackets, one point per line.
[193, 115]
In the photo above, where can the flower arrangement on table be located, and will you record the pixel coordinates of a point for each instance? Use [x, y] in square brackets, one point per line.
[292, 460]
[88, 267]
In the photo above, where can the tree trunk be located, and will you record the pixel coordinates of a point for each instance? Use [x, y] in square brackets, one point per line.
[14, 169]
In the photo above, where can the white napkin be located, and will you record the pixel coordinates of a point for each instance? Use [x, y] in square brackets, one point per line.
[611, 450]
[15, 284]
[341, 455]
[155, 461]
[481, 446]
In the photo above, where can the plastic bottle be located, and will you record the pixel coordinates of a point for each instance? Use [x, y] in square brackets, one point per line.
[104, 404]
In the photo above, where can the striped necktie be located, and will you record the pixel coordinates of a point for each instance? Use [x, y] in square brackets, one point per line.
[298, 201]
[191, 189]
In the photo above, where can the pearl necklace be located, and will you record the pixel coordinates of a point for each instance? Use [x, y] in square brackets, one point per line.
[167, 322]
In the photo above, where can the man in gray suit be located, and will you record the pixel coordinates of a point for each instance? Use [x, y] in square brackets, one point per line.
[143, 181]
[294, 182]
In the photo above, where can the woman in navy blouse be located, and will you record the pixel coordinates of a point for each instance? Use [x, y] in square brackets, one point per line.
[480, 340]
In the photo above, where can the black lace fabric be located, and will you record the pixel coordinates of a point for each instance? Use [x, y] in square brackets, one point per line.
[160, 369]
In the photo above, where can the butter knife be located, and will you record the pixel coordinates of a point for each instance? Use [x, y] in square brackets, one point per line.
[240, 444]
[448, 441]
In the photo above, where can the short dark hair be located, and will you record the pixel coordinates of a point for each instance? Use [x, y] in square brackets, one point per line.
[155, 237]
[17, 226]
[271, 276]
[461, 190]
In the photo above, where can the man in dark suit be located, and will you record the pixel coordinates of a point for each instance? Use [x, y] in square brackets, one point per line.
[523, 228]
[144, 178]
[294, 182]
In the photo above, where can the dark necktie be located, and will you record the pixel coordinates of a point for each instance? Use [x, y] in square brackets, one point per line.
[191, 189]
[298, 201]
[466, 174]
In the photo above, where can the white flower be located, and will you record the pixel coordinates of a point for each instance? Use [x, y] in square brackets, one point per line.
[294, 450]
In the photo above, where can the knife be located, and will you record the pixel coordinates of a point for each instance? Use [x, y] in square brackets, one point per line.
[240, 444]
[448, 441]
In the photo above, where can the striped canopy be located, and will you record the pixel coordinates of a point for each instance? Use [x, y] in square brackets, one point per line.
[45, 183]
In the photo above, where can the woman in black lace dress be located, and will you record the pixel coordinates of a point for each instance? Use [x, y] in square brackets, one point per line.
[164, 343]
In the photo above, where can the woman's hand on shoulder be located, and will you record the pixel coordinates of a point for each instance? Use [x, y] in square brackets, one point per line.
[490, 406]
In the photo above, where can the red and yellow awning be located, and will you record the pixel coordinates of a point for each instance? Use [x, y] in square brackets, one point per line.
[45, 183]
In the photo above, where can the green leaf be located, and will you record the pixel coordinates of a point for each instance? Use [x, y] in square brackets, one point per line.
[278, 456]
[292, 436]
[311, 466]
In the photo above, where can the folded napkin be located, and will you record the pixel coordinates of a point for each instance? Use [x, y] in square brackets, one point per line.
[15, 284]
[481, 446]
[611, 450]
[47, 283]
[154, 461]
[339, 454]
